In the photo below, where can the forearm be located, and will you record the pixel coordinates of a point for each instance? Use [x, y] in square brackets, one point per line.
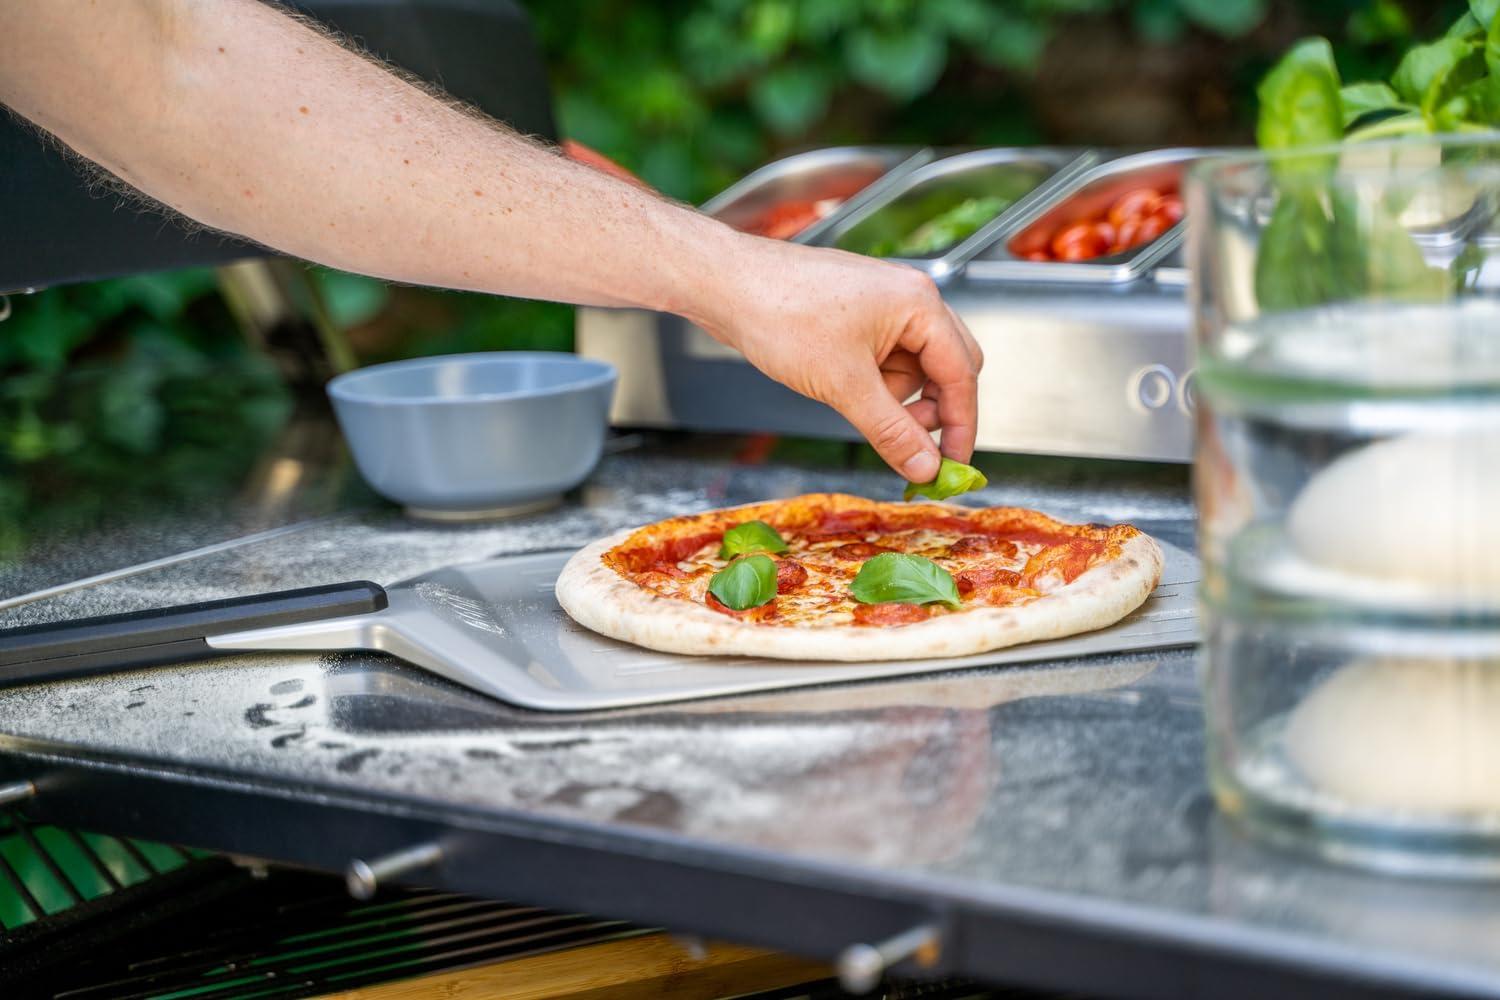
[242, 119]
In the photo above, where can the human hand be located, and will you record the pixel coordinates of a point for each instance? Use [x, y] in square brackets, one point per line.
[859, 334]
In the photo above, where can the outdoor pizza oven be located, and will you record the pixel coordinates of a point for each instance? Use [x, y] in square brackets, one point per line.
[1086, 347]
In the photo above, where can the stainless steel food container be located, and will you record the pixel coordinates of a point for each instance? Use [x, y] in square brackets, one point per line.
[1050, 167]
[813, 176]
[990, 256]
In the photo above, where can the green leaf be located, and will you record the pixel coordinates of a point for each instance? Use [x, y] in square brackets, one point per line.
[1230, 18]
[790, 98]
[903, 64]
[1014, 43]
[1300, 106]
[952, 479]
[747, 582]
[1484, 11]
[1293, 265]
[1160, 22]
[1465, 27]
[1464, 271]
[1376, 256]
[1360, 99]
[899, 578]
[1380, 22]
[351, 299]
[750, 537]
[1430, 74]
[768, 26]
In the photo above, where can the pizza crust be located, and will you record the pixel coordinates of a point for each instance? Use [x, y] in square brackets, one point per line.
[601, 599]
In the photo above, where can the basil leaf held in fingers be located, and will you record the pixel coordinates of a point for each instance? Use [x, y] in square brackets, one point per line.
[752, 536]
[898, 578]
[748, 582]
[952, 479]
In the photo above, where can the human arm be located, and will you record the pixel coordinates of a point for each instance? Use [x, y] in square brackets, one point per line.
[244, 119]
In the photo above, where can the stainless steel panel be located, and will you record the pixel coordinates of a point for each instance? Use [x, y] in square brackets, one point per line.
[990, 257]
[495, 626]
[1100, 371]
[816, 175]
[1105, 373]
[977, 168]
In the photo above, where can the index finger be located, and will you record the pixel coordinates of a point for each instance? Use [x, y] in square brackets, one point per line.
[950, 367]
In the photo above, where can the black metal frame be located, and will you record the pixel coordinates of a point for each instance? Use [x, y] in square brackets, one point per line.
[806, 907]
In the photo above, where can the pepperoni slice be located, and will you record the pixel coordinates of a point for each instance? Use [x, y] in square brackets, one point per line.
[858, 551]
[790, 574]
[984, 577]
[848, 522]
[983, 545]
[889, 614]
[760, 614]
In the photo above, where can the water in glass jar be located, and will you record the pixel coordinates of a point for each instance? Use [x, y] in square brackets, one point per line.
[1348, 483]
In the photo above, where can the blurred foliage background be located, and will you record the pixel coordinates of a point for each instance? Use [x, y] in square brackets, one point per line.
[690, 94]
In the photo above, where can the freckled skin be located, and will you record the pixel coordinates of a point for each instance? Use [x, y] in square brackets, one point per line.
[858, 334]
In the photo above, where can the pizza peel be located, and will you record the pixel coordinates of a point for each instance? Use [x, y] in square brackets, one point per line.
[495, 627]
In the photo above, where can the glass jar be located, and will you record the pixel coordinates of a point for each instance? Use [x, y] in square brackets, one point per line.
[1347, 475]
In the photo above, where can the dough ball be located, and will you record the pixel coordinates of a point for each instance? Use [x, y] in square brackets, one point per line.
[1401, 734]
[1423, 508]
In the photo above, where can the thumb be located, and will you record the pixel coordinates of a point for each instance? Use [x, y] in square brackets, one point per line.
[891, 429]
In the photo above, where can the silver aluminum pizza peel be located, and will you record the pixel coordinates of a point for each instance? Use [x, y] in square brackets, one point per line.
[495, 626]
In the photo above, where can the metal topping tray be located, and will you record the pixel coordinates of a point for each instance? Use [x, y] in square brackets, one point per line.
[1085, 195]
[503, 611]
[855, 174]
[1025, 176]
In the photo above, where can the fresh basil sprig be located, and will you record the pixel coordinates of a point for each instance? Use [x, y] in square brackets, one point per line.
[899, 578]
[752, 536]
[748, 582]
[952, 479]
[1321, 244]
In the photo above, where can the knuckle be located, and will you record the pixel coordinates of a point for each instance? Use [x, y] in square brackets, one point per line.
[890, 432]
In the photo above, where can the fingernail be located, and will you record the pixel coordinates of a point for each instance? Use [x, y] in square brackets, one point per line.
[921, 467]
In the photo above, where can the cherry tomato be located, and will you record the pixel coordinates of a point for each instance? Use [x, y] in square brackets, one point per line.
[1033, 240]
[1036, 255]
[1171, 208]
[1080, 241]
[1128, 235]
[785, 220]
[1105, 232]
[1152, 227]
[1134, 204]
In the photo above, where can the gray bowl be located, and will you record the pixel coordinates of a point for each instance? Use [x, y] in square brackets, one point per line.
[470, 434]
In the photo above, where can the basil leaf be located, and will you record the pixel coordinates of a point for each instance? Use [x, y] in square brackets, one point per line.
[1299, 106]
[952, 479]
[1429, 75]
[1360, 99]
[748, 582]
[752, 536]
[1484, 11]
[1465, 27]
[1294, 264]
[898, 578]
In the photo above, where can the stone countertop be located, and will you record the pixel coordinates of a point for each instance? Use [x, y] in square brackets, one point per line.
[1080, 782]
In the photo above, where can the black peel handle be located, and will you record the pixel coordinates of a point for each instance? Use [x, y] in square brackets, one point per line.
[168, 635]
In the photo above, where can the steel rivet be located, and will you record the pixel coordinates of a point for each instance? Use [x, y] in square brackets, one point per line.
[363, 878]
[16, 791]
[861, 966]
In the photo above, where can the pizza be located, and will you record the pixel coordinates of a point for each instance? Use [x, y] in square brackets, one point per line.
[995, 576]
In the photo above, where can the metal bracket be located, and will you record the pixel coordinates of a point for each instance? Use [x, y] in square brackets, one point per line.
[861, 966]
[363, 878]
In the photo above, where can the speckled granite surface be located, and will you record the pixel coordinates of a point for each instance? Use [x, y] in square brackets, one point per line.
[1081, 778]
